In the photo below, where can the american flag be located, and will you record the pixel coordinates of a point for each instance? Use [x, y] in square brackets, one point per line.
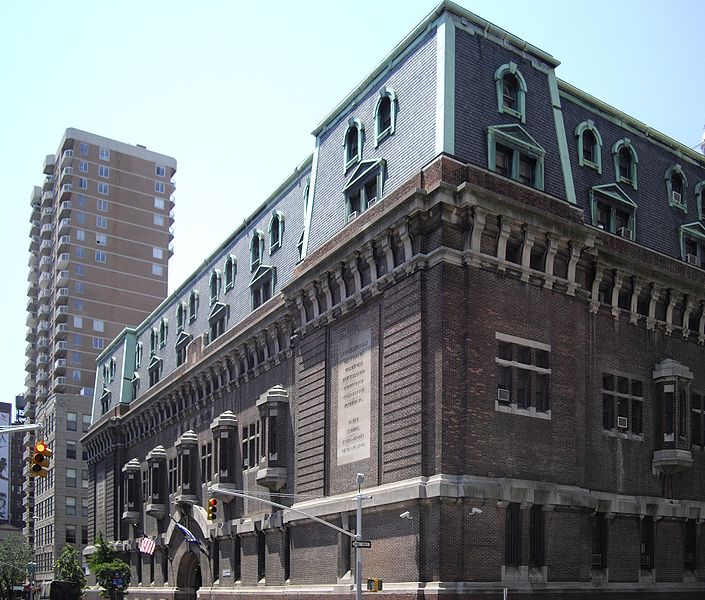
[147, 545]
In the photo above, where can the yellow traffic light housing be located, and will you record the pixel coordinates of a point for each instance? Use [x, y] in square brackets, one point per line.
[212, 508]
[40, 460]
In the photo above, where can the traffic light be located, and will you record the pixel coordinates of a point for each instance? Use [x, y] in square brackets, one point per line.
[40, 460]
[212, 508]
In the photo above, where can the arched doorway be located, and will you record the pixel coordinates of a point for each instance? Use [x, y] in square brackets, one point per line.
[188, 577]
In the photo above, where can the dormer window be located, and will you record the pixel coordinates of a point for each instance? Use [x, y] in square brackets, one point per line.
[511, 91]
[256, 249]
[214, 286]
[138, 355]
[353, 143]
[625, 162]
[589, 146]
[276, 231]
[193, 306]
[364, 188]
[163, 332]
[613, 211]
[230, 272]
[513, 153]
[385, 115]
[676, 186]
[180, 317]
[153, 341]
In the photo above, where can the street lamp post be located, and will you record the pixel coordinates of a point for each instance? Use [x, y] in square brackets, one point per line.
[359, 478]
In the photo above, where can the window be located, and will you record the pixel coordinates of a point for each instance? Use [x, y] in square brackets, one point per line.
[622, 404]
[101, 222]
[155, 371]
[676, 186]
[690, 545]
[80, 235]
[511, 91]
[697, 419]
[160, 170]
[230, 272]
[599, 541]
[80, 270]
[625, 162]
[193, 306]
[157, 253]
[171, 475]
[85, 478]
[138, 354]
[83, 166]
[250, 445]
[159, 203]
[76, 358]
[261, 555]
[104, 154]
[159, 220]
[256, 249]
[80, 218]
[385, 114]
[262, 286]
[214, 286]
[512, 537]
[101, 239]
[98, 325]
[71, 477]
[364, 188]
[71, 505]
[646, 561]
[86, 422]
[76, 375]
[352, 143]
[98, 343]
[276, 230]
[83, 149]
[613, 211]
[103, 171]
[153, 341]
[71, 421]
[159, 187]
[77, 322]
[513, 153]
[101, 256]
[102, 205]
[523, 372]
[206, 462]
[589, 146]
[80, 252]
[216, 320]
[692, 240]
[71, 533]
[78, 304]
[103, 188]
[537, 536]
[71, 449]
[157, 270]
[84, 534]
[163, 332]
[82, 183]
[77, 340]
[78, 286]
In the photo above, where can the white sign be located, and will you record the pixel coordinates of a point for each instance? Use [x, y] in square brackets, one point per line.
[354, 397]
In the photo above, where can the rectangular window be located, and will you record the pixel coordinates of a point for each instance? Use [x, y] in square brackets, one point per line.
[83, 149]
[103, 171]
[690, 545]
[76, 358]
[84, 535]
[77, 340]
[157, 270]
[82, 183]
[622, 403]
[98, 343]
[697, 410]
[159, 220]
[78, 322]
[71, 421]
[512, 538]
[70, 506]
[103, 188]
[98, 325]
[76, 375]
[81, 200]
[86, 422]
[536, 536]
[206, 462]
[159, 203]
[160, 170]
[157, 253]
[84, 479]
[101, 239]
[647, 543]
[80, 252]
[71, 449]
[101, 222]
[80, 218]
[159, 187]
[599, 541]
[101, 256]
[83, 166]
[102, 205]
[71, 477]
[523, 371]
[80, 235]
[104, 154]
[71, 534]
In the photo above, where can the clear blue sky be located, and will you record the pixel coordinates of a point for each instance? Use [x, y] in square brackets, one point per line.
[232, 90]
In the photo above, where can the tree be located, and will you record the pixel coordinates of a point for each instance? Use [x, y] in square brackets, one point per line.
[104, 564]
[15, 554]
[68, 567]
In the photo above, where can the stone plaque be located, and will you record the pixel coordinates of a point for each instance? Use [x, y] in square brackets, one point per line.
[354, 397]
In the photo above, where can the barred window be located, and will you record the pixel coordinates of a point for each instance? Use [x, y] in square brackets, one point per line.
[622, 403]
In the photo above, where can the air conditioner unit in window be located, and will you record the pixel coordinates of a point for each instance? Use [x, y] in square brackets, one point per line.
[625, 232]
[676, 197]
[371, 202]
[691, 259]
[352, 215]
[622, 422]
[503, 395]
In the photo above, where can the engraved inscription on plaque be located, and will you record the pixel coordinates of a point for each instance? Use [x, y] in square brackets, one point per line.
[354, 397]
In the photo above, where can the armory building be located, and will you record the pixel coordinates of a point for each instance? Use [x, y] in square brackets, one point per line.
[484, 290]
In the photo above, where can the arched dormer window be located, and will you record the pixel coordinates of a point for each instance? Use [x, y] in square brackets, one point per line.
[256, 249]
[214, 285]
[180, 317]
[193, 306]
[163, 332]
[353, 143]
[625, 162]
[153, 341]
[230, 272]
[676, 186]
[276, 231]
[699, 198]
[511, 91]
[385, 114]
[138, 355]
[589, 146]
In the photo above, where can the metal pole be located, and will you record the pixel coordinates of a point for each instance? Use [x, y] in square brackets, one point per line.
[358, 550]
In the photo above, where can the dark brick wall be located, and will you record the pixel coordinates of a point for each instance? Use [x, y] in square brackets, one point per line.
[568, 550]
[623, 548]
[668, 550]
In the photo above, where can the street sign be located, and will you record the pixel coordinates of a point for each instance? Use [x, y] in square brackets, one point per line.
[362, 544]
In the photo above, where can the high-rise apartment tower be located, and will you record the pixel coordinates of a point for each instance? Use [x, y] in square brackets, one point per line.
[98, 261]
